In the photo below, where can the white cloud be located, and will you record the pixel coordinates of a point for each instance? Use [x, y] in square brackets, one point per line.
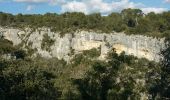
[52, 2]
[156, 10]
[32, 1]
[167, 1]
[30, 7]
[90, 6]
[75, 6]
[56, 2]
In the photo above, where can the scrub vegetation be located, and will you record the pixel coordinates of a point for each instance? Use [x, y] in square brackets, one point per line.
[130, 21]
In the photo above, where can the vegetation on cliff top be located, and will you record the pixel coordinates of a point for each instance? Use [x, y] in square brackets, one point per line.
[131, 21]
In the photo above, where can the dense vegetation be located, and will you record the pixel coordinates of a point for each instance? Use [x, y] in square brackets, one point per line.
[120, 77]
[47, 42]
[165, 76]
[132, 21]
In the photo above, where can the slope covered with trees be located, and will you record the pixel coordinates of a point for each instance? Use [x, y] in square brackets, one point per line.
[131, 21]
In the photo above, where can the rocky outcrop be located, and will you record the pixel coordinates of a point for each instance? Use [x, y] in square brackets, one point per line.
[137, 45]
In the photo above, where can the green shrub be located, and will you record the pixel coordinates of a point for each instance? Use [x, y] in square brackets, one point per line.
[6, 46]
[47, 42]
[93, 53]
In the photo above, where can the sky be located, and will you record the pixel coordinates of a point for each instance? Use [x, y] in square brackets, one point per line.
[104, 7]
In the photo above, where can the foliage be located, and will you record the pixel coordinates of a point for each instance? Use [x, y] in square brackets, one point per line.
[93, 53]
[86, 78]
[26, 80]
[165, 75]
[117, 79]
[6, 46]
[131, 21]
[47, 42]
[120, 77]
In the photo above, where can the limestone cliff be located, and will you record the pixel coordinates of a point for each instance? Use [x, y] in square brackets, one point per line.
[137, 45]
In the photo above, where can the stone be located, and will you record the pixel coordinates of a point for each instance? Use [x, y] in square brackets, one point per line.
[137, 45]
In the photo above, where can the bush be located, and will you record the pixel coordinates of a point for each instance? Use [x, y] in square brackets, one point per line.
[93, 53]
[6, 46]
[47, 42]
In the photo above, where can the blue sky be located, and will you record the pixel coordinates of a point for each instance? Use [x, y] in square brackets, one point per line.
[87, 6]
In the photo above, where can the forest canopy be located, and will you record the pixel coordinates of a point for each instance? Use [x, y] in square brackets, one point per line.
[130, 21]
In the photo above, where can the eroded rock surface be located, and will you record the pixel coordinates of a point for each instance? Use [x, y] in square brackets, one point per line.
[137, 45]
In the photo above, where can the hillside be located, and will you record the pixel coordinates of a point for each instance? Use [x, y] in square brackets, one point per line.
[73, 56]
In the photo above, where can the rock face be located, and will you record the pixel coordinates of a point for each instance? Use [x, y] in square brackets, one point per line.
[137, 45]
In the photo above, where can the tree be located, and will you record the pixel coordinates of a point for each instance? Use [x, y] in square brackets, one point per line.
[94, 21]
[96, 83]
[6, 46]
[26, 80]
[100, 83]
[131, 16]
[20, 54]
[165, 75]
[114, 22]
